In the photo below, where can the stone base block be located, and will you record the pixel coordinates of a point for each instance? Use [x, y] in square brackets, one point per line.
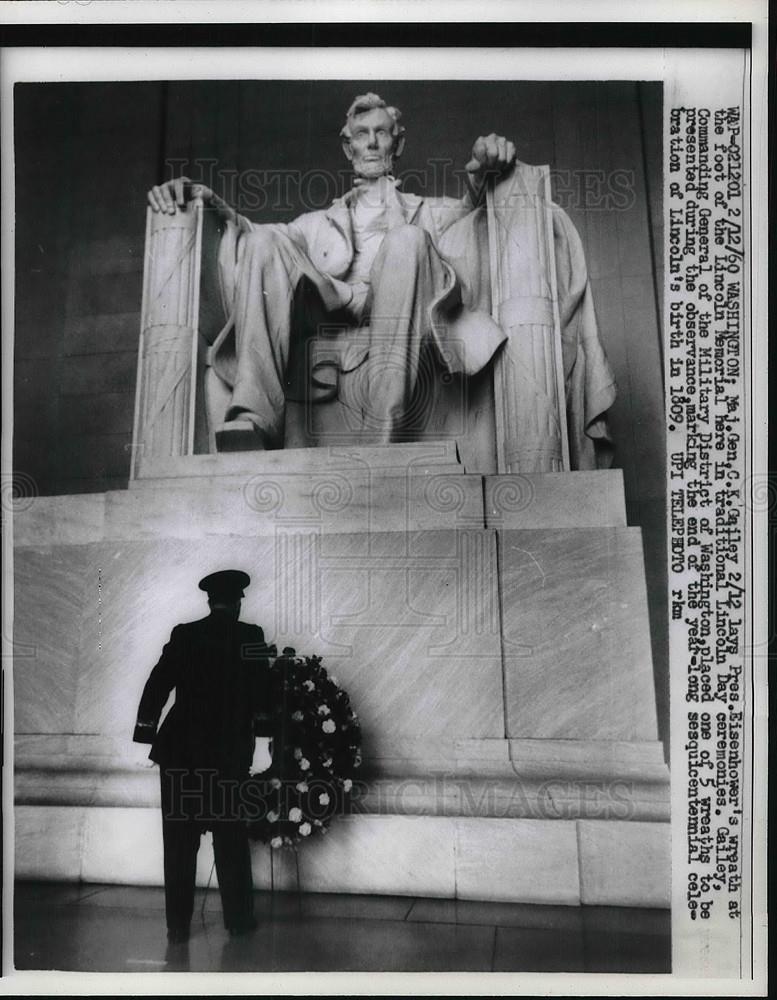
[345, 458]
[556, 500]
[624, 864]
[511, 860]
[576, 638]
[408, 623]
[328, 502]
[488, 778]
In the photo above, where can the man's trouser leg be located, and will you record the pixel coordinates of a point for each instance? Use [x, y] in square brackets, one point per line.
[271, 268]
[407, 276]
[181, 841]
[233, 868]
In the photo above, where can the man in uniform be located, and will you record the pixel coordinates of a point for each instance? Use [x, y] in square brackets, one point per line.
[206, 746]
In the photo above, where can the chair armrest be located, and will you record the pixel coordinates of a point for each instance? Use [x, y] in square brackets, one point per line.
[170, 324]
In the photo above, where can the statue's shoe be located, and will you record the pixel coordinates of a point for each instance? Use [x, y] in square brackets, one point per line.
[239, 435]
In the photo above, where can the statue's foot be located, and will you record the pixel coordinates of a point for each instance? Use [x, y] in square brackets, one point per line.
[239, 435]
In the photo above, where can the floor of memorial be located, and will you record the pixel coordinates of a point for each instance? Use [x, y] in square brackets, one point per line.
[109, 928]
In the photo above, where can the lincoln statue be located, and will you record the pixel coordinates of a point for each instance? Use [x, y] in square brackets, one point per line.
[362, 288]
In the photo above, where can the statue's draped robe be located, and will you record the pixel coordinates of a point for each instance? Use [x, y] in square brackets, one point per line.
[461, 325]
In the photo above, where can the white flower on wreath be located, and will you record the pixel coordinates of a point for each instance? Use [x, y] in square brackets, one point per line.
[297, 716]
[328, 726]
[275, 783]
[347, 785]
[276, 842]
[327, 762]
[297, 753]
[301, 786]
[309, 686]
[323, 710]
[305, 829]
[295, 814]
[323, 799]
[304, 764]
[273, 816]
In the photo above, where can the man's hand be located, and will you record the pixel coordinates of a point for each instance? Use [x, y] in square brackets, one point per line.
[491, 154]
[169, 196]
[262, 755]
[139, 755]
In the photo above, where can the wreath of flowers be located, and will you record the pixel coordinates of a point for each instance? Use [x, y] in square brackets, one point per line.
[316, 750]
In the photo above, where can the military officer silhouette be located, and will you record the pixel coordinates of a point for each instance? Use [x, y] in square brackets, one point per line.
[207, 746]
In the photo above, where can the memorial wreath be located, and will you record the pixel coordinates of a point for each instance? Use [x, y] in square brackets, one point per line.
[316, 750]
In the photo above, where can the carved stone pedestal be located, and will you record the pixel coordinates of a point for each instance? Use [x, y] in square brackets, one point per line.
[491, 631]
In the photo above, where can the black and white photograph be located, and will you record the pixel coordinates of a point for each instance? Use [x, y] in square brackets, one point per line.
[342, 462]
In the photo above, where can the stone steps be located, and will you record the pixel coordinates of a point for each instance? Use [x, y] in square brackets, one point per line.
[328, 502]
[415, 457]
[571, 862]
[499, 797]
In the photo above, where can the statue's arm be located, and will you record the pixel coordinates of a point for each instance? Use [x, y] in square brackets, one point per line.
[492, 156]
[172, 195]
[291, 229]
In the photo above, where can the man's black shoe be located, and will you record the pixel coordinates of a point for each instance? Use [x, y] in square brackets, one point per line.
[177, 935]
[243, 928]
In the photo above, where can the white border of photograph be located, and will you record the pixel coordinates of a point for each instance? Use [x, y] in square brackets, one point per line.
[680, 71]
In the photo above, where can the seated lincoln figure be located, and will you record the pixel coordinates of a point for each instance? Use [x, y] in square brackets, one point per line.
[365, 286]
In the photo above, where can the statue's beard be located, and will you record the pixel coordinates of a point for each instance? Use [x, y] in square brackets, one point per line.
[370, 169]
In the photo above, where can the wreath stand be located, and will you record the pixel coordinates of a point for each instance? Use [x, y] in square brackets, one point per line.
[298, 892]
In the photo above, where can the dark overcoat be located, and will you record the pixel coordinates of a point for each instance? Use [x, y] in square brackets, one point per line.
[219, 669]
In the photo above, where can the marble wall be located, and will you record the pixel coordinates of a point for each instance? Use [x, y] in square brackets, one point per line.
[402, 621]
[577, 641]
[50, 592]
[460, 633]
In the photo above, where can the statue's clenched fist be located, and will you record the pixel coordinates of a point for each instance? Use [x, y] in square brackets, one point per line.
[490, 154]
[169, 196]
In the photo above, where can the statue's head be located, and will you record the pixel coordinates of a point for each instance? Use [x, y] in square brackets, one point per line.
[372, 136]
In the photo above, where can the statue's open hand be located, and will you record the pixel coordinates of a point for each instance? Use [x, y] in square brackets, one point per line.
[491, 154]
[168, 196]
